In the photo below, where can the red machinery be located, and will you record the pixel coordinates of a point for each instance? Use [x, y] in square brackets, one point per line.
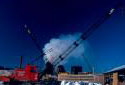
[28, 74]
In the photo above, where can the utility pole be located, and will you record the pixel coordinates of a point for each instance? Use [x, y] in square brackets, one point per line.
[21, 61]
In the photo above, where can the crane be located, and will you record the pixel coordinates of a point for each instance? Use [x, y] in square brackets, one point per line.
[50, 66]
[33, 37]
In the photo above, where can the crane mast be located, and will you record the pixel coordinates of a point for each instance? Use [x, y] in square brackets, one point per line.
[33, 37]
[85, 35]
[28, 31]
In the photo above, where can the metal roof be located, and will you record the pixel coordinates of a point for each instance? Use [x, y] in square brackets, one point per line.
[116, 69]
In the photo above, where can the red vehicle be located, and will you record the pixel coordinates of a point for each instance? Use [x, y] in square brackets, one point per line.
[28, 74]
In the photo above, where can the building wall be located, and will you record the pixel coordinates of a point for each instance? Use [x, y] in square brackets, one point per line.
[75, 77]
[99, 79]
[114, 77]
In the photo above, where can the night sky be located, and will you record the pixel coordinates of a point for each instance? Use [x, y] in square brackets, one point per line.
[50, 18]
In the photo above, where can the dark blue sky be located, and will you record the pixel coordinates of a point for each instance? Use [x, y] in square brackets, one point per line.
[51, 18]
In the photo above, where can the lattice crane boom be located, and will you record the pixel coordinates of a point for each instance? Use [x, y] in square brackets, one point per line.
[85, 35]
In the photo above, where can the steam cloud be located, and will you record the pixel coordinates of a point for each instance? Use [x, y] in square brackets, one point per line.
[57, 46]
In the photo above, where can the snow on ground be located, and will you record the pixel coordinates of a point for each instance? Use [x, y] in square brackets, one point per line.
[78, 83]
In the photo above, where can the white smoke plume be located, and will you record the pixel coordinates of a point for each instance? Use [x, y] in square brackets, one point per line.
[57, 46]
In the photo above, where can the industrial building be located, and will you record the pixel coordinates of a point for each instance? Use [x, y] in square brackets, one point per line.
[115, 76]
[75, 77]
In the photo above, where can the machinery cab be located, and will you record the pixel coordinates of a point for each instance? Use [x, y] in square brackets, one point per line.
[29, 73]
